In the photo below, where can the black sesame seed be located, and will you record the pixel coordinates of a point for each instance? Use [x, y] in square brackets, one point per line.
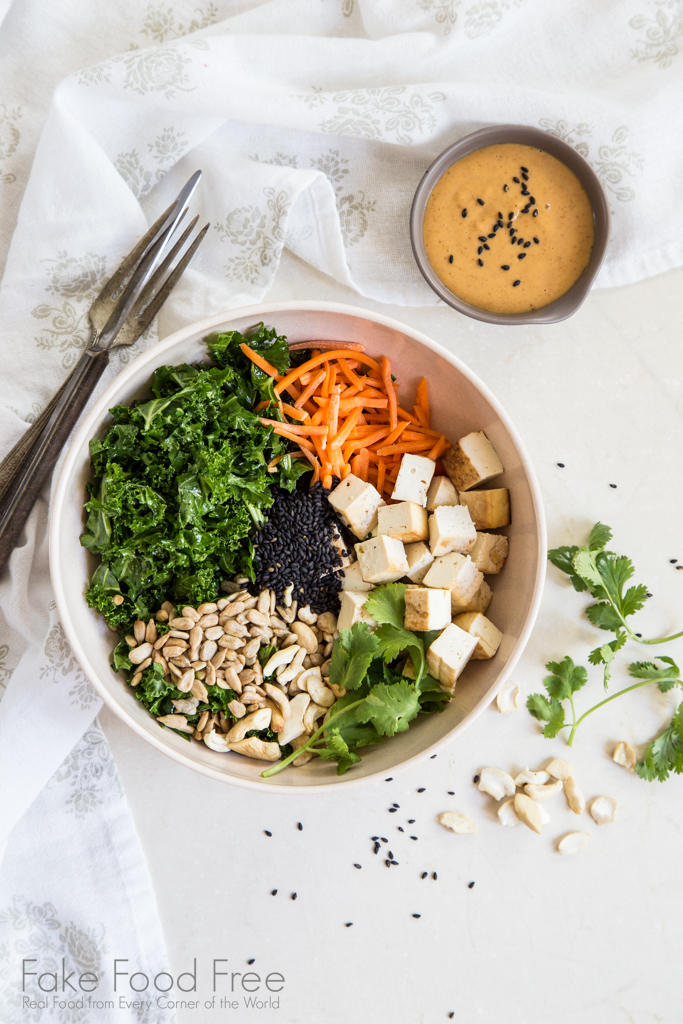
[424, 874]
[525, 176]
[450, 260]
[535, 213]
[506, 188]
[273, 892]
[268, 833]
[532, 200]
[250, 962]
[614, 486]
[294, 895]
[513, 232]
[417, 915]
[480, 250]
[505, 266]
[521, 256]
[349, 924]
[475, 780]
[679, 566]
[486, 246]
[470, 885]
[500, 215]
[525, 170]
[480, 201]
[414, 838]
[359, 866]
[673, 560]
[520, 241]
[384, 840]
[411, 821]
[434, 875]
[482, 238]
[497, 225]
[515, 283]
[422, 789]
[527, 244]
[464, 213]
[392, 810]
[451, 792]
[299, 826]
[400, 828]
[374, 838]
[390, 779]
[639, 634]
[451, 1015]
[480, 262]
[516, 180]
[536, 240]
[395, 862]
[387, 863]
[390, 855]
[492, 235]
[648, 594]
[561, 465]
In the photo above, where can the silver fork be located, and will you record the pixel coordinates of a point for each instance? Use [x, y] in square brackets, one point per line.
[127, 304]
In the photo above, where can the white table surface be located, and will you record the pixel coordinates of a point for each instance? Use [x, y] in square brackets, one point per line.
[540, 939]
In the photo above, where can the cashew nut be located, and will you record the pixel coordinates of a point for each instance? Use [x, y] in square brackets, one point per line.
[573, 842]
[277, 719]
[282, 657]
[496, 783]
[560, 769]
[286, 674]
[536, 778]
[256, 720]
[306, 636]
[254, 747]
[307, 755]
[603, 810]
[625, 755]
[312, 681]
[217, 741]
[575, 797]
[307, 616]
[543, 792]
[294, 725]
[457, 822]
[279, 698]
[507, 699]
[178, 722]
[529, 812]
[311, 715]
[507, 815]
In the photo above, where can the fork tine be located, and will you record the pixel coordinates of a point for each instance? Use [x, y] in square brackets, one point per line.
[150, 289]
[127, 265]
[138, 322]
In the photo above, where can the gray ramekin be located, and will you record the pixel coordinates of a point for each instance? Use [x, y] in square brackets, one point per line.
[566, 304]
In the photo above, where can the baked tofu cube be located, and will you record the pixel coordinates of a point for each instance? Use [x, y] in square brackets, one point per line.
[489, 552]
[441, 492]
[488, 635]
[352, 609]
[489, 509]
[427, 608]
[419, 559]
[382, 559]
[357, 504]
[457, 573]
[353, 580]
[448, 655]
[414, 477]
[405, 520]
[478, 602]
[472, 460]
[451, 529]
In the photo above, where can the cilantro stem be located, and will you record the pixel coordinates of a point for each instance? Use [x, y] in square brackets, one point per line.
[309, 742]
[662, 640]
[619, 693]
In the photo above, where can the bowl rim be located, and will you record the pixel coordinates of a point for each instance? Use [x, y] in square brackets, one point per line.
[564, 305]
[85, 431]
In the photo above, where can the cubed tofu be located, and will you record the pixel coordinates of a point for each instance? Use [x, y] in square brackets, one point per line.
[419, 559]
[382, 559]
[448, 655]
[456, 573]
[427, 608]
[413, 480]
[488, 635]
[489, 508]
[353, 579]
[357, 504]
[451, 529]
[477, 602]
[405, 520]
[489, 552]
[472, 460]
[441, 492]
[352, 609]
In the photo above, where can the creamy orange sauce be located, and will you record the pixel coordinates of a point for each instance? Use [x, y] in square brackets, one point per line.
[506, 214]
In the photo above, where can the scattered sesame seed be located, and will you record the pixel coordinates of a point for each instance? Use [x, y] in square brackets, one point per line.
[294, 895]
[395, 862]
[359, 866]
[390, 779]
[515, 283]
[614, 486]
[475, 780]
[451, 1015]
[482, 238]
[470, 885]
[486, 245]
[374, 838]
[451, 792]
[525, 170]
[384, 840]
[516, 180]
[648, 594]
[480, 262]
[450, 260]
[506, 188]
[492, 235]
[392, 810]
[414, 838]
[535, 213]
[417, 915]
[505, 266]
[299, 826]
[269, 834]
[424, 874]
[561, 465]
[525, 176]
[480, 250]
[349, 924]
[390, 854]
[422, 789]
[673, 560]
[480, 201]
[679, 566]
[250, 962]
[388, 863]
[411, 821]
[521, 256]
[464, 213]
[273, 892]
[377, 848]
[639, 634]
[434, 875]
[400, 828]
[535, 240]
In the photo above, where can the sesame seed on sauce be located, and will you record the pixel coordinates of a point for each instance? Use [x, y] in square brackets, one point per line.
[480, 201]
[492, 235]
[536, 240]
[464, 213]
[535, 213]
[480, 250]
[527, 244]
[487, 246]
[515, 283]
[450, 260]
[505, 266]
[482, 238]
[480, 262]
[521, 256]
[506, 188]
[517, 181]
[524, 170]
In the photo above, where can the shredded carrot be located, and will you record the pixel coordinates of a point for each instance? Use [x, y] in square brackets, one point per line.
[439, 448]
[342, 435]
[423, 398]
[381, 472]
[301, 441]
[307, 428]
[314, 381]
[410, 446]
[323, 357]
[260, 362]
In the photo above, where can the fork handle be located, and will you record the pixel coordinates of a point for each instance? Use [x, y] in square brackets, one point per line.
[28, 482]
[13, 461]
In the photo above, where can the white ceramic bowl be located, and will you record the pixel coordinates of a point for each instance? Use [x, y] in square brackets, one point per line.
[459, 402]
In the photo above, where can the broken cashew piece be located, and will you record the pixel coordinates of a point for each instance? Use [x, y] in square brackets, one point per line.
[573, 842]
[457, 822]
[282, 657]
[507, 815]
[603, 810]
[529, 812]
[543, 792]
[575, 798]
[560, 769]
[252, 746]
[507, 699]
[216, 741]
[625, 755]
[256, 720]
[496, 783]
[534, 778]
[294, 725]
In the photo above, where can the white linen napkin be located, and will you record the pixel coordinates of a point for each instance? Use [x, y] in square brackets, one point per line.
[313, 121]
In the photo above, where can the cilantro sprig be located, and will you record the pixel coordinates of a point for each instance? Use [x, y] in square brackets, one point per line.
[379, 701]
[605, 576]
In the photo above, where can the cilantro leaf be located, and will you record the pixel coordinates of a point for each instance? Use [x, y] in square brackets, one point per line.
[390, 708]
[387, 604]
[666, 677]
[566, 678]
[606, 654]
[634, 599]
[352, 655]
[600, 536]
[563, 559]
[585, 567]
[392, 641]
[548, 710]
[338, 750]
[665, 754]
[603, 616]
